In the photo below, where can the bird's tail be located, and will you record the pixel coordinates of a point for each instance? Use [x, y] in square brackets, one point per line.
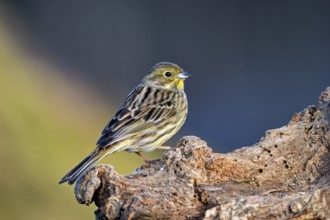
[82, 167]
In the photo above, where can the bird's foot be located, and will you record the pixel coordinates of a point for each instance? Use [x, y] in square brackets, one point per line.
[164, 147]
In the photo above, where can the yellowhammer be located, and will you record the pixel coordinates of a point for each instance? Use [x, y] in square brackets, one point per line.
[151, 114]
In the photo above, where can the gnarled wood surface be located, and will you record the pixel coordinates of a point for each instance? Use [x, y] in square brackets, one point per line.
[285, 175]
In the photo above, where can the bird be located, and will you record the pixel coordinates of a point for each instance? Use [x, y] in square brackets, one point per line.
[151, 114]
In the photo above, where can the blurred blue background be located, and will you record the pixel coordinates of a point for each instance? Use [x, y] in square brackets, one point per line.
[71, 63]
[253, 63]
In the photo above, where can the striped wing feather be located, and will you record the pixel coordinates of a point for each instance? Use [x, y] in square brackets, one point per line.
[135, 116]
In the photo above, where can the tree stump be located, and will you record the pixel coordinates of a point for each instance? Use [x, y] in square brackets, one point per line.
[286, 175]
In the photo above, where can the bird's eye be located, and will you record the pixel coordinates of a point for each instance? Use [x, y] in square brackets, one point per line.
[168, 74]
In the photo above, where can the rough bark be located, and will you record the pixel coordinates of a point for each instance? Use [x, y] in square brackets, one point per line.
[286, 175]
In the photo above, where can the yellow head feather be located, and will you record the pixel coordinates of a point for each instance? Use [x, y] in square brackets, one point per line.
[166, 74]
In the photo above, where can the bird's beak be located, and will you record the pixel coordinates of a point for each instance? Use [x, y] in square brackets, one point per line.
[183, 75]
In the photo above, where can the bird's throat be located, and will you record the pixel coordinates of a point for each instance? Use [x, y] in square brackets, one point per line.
[180, 85]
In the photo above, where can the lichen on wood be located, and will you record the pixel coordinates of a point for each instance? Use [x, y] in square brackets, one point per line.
[285, 175]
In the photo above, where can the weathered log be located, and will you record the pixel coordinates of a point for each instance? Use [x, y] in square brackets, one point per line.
[285, 175]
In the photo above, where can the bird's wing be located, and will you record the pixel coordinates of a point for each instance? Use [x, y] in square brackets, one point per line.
[136, 116]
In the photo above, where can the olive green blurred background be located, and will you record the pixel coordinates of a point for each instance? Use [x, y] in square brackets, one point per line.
[65, 67]
[48, 123]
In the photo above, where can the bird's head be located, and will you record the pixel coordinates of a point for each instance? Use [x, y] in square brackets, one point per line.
[166, 74]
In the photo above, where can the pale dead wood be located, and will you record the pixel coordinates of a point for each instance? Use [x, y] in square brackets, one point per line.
[286, 175]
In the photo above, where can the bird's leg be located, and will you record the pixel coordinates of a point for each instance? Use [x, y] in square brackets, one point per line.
[146, 161]
[164, 147]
